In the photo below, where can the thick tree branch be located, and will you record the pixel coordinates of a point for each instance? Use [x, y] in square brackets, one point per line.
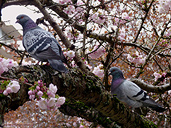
[151, 88]
[75, 85]
[77, 108]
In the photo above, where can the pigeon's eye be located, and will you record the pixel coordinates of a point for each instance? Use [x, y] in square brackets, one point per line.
[22, 17]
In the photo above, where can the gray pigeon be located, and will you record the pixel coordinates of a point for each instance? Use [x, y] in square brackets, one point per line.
[129, 93]
[41, 44]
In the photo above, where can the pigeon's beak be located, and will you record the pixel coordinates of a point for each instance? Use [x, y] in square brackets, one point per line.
[17, 21]
[109, 74]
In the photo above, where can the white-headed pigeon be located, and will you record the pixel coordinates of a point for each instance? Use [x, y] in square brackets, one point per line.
[130, 93]
[41, 44]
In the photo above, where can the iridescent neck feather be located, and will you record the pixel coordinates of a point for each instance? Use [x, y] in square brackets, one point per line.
[29, 25]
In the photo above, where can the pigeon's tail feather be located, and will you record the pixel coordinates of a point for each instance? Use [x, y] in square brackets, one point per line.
[158, 108]
[58, 65]
[153, 105]
[64, 60]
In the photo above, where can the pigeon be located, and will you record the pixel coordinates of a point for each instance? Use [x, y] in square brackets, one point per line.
[130, 93]
[41, 44]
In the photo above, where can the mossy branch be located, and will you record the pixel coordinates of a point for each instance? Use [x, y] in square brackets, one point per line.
[85, 88]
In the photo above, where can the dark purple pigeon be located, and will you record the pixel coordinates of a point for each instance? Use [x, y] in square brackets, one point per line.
[41, 44]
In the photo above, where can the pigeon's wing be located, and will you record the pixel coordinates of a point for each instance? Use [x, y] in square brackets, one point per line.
[55, 46]
[135, 93]
[42, 45]
[36, 40]
[48, 54]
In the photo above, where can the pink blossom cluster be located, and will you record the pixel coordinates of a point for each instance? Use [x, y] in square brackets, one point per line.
[73, 35]
[98, 18]
[70, 54]
[163, 43]
[6, 64]
[122, 35]
[159, 75]
[98, 71]
[125, 16]
[96, 52]
[136, 58]
[164, 6]
[12, 87]
[86, 63]
[71, 10]
[46, 97]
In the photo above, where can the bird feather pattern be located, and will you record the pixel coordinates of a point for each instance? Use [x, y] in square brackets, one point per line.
[130, 93]
[41, 44]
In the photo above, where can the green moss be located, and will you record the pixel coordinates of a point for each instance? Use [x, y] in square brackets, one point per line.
[147, 123]
[84, 75]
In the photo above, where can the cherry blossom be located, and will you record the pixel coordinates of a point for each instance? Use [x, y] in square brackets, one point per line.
[164, 6]
[14, 85]
[81, 126]
[98, 71]
[69, 10]
[6, 64]
[98, 18]
[60, 101]
[9, 90]
[125, 16]
[40, 93]
[38, 87]
[121, 34]
[46, 97]
[5, 92]
[30, 92]
[96, 52]
[169, 92]
[53, 88]
[136, 58]
[156, 75]
[42, 103]
[2, 69]
[31, 97]
[70, 54]
[50, 94]
[51, 102]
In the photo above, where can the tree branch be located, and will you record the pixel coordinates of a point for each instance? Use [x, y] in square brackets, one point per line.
[151, 88]
[87, 89]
